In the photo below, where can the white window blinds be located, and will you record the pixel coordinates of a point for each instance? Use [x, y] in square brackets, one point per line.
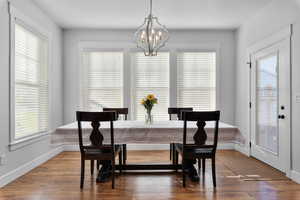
[151, 77]
[31, 83]
[196, 80]
[102, 80]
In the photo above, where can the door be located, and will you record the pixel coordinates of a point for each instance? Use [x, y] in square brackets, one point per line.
[270, 104]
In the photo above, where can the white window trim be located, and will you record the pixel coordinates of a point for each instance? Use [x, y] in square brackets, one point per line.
[129, 48]
[18, 17]
[22, 142]
[88, 46]
[82, 73]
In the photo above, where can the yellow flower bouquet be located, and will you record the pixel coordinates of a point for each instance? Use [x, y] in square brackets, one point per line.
[148, 102]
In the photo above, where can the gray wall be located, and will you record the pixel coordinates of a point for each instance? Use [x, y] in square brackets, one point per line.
[16, 158]
[186, 38]
[271, 19]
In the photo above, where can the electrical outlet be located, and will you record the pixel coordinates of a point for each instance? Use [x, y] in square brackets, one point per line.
[297, 98]
[2, 159]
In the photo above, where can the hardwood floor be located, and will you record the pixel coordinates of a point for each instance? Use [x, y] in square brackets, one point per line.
[238, 178]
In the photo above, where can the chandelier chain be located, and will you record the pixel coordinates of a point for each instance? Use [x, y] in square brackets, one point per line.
[150, 7]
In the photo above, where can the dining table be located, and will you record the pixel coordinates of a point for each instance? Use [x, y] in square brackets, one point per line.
[138, 132]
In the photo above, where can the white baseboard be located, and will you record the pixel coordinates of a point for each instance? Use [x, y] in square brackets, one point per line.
[148, 147]
[20, 171]
[295, 176]
[242, 149]
[225, 146]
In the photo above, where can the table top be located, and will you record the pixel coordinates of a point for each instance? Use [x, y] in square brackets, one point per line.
[174, 124]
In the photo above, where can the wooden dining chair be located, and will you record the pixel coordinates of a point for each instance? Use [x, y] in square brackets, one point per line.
[97, 150]
[119, 111]
[176, 111]
[198, 150]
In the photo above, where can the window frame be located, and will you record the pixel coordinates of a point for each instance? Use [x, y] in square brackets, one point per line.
[124, 47]
[82, 72]
[215, 50]
[27, 23]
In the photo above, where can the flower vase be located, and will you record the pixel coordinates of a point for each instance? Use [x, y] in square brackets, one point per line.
[148, 118]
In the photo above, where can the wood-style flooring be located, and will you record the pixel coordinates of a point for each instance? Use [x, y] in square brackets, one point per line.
[238, 178]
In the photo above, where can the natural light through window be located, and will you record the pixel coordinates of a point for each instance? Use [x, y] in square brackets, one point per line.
[102, 81]
[196, 80]
[151, 77]
[31, 83]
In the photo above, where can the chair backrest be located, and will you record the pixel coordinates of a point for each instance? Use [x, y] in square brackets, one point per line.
[120, 111]
[201, 117]
[96, 136]
[177, 111]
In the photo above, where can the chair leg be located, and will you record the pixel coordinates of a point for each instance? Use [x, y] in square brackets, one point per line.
[82, 172]
[92, 167]
[171, 151]
[173, 154]
[124, 154]
[113, 174]
[199, 165]
[120, 161]
[213, 167]
[98, 164]
[203, 165]
[183, 174]
[176, 160]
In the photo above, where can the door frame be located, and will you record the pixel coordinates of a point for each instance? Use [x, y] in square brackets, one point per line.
[285, 33]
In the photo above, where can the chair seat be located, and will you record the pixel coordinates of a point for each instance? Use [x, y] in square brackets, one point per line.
[104, 150]
[195, 151]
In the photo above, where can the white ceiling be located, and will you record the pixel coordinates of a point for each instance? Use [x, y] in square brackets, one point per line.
[177, 14]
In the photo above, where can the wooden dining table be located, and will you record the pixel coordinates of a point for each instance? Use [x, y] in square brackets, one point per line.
[138, 132]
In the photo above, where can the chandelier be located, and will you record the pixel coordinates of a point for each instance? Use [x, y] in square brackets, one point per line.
[151, 35]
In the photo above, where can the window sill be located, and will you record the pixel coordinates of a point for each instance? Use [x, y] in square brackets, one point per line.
[20, 143]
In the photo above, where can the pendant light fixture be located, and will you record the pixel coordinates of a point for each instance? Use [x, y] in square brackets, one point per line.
[151, 35]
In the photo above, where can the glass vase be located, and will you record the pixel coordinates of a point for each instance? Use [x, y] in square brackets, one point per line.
[148, 118]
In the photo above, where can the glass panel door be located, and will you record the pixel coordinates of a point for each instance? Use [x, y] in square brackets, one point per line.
[270, 97]
[267, 103]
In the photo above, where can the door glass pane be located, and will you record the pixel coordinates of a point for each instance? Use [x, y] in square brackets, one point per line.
[267, 103]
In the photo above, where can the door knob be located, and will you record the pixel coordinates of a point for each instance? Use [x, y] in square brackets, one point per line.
[281, 116]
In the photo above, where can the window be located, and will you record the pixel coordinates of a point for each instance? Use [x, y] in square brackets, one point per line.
[151, 76]
[102, 83]
[31, 103]
[196, 80]
[267, 102]
[122, 78]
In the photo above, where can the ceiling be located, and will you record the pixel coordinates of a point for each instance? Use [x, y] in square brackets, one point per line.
[175, 14]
